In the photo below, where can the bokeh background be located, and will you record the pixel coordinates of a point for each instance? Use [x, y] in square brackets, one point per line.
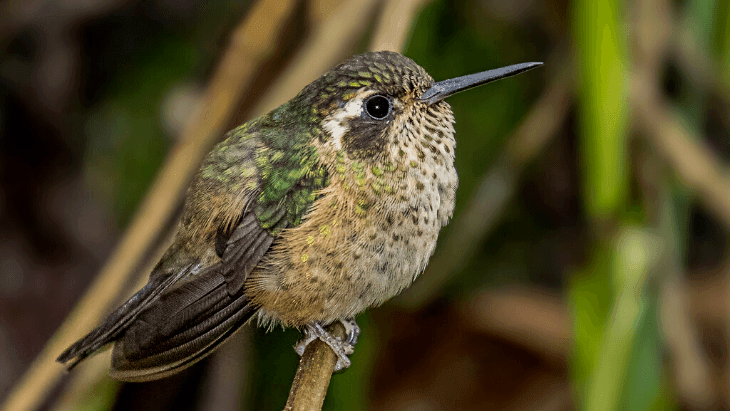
[586, 266]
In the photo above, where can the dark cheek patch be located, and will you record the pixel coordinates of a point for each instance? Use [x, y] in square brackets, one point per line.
[365, 137]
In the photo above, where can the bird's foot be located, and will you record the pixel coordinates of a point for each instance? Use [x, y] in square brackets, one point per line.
[342, 348]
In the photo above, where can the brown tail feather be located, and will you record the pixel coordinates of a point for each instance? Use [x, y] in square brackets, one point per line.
[118, 320]
[186, 324]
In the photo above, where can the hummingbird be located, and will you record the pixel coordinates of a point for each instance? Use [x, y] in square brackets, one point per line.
[308, 215]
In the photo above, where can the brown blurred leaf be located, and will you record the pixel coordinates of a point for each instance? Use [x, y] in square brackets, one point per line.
[487, 355]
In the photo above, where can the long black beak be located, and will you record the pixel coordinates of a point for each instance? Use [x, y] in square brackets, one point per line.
[446, 88]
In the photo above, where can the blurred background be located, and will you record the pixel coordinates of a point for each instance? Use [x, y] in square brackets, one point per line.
[586, 266]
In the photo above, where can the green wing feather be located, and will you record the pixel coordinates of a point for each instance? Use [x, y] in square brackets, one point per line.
[261, 179]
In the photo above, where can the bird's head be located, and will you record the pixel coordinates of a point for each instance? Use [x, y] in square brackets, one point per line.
[382, 106]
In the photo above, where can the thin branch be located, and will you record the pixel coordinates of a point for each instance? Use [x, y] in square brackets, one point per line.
[314, 373]
[84, 384]
[691, 369]
[531, 317]
[696, 165]
[252, 43]
[703, 71]
[87, 375]
[394, 24]
[328, 45]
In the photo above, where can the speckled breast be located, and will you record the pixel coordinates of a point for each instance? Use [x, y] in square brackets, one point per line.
[368, 236]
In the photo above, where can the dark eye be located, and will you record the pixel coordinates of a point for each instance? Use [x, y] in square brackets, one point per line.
[378, 107]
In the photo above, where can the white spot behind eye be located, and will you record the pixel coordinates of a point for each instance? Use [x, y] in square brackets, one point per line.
[336, 124]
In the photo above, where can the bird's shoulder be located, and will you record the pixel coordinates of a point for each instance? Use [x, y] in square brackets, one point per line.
[266, 167]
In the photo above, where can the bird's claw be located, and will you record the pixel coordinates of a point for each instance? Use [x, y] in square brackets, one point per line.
[342, 348]
[352, 330]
